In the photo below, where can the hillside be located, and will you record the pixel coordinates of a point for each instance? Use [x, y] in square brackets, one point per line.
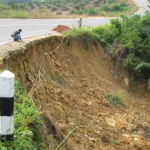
[69, 9]
[69, 84]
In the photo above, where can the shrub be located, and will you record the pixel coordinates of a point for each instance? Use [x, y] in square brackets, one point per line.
[77, 7]
[91, 11]
[122, 3]
[31, 5]
[96, 2]
[64, 8]
[54, 8]
[58, 5]
[81, 12]
[73, 12]
[44, 10]
[105, 33]
[2, 7]
[82, 4]
[59, 12]
[76, 1]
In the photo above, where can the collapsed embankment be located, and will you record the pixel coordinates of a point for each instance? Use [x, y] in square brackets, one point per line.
[69, 83]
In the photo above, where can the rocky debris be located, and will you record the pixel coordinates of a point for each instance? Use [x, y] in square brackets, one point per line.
[61, 28]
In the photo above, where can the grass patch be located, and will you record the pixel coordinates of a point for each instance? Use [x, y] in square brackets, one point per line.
[26, 121]
[115, 142]
[85, 35]
[89, 35]
[117, 99]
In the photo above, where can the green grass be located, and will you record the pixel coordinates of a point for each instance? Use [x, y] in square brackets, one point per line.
[89, 35]
[116, 99]
[15, 14]
[84, 35]
[26, 121]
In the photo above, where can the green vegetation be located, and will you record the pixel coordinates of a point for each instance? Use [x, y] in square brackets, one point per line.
[89, 35]
[128, 41]
[27, 121]
[75, 7]
[117, 99]
[133, 35]
[115, 142]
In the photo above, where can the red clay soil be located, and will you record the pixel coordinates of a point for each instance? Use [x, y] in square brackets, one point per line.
[61, 28]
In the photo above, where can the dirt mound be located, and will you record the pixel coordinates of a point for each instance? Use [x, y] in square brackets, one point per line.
[61, 28]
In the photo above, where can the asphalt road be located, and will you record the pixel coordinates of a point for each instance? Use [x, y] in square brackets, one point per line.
[33, 27]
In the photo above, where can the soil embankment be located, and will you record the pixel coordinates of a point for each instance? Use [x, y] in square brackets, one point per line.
[69, 83]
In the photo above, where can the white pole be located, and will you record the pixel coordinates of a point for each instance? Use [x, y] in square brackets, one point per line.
[6, 106]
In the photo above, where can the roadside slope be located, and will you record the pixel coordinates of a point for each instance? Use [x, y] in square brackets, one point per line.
[69, 84]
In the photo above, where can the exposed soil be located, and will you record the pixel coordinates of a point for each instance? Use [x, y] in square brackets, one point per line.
[61, 28]
[69, 85]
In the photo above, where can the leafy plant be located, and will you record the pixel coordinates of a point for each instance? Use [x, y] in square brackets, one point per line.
[26, 121]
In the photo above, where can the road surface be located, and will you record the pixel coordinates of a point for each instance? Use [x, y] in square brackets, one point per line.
[33, 27]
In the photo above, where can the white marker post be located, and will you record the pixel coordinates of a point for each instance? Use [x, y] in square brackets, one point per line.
[6, 106]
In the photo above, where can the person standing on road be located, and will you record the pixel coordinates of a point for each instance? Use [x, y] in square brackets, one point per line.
[80, 23]
[16, 35]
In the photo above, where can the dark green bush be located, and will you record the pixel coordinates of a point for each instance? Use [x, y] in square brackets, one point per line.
[91, 11]
[54, 8]
[77, 7]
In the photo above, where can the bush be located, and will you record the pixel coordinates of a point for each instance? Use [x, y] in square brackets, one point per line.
[54, 8]
[85, 35]
[64, 8]
[59, 12]
[76, 1]
[82, 4]
[81, 12]
[31, 5]
[104, 7]
[77, 7]
[91, 11]
[105, 33]
[132, 34]
[96, 2]
[2, 7]
[73, 12]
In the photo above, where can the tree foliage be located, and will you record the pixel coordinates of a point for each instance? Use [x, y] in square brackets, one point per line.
[133, 33]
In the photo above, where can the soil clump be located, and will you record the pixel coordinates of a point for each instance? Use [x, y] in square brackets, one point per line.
[61, 28]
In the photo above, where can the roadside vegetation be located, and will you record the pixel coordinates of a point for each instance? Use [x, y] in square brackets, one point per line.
[30, 130]
[28, 124]
[128, 41]
[67, 9]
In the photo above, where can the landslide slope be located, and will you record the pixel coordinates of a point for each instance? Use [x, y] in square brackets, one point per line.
[68, 83]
